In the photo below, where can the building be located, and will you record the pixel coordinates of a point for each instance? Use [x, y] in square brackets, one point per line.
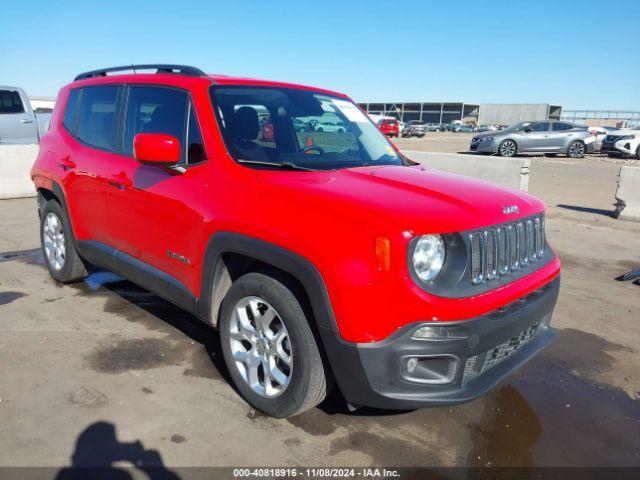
[430, 112]
[447, 112]
[603, 118]
[42, 104]
[510, 113]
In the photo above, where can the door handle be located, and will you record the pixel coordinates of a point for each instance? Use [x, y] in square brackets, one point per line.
[120, 181]
[26, 120]
[65, 163]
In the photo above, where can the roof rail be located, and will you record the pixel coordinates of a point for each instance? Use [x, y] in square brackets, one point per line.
[159, 68]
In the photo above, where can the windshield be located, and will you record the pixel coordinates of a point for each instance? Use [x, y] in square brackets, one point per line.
[285, 127]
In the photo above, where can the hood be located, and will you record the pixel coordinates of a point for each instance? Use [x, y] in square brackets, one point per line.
[624, 131]
[417, 198]
[493, 133]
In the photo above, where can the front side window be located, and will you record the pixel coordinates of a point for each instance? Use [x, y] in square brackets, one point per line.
[298, 129]
[155, 110]
[96, 117]
[10, 102]
[195, 145]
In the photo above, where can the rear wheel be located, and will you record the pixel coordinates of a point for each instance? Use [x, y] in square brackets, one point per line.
[507, 148]
[269, 348]
[576, 149]
[61, 257]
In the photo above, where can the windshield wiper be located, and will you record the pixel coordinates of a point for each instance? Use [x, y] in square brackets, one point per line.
[288, 165]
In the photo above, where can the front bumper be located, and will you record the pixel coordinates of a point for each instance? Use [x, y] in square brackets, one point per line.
[472, 356]
[621, 148]
[483, 146]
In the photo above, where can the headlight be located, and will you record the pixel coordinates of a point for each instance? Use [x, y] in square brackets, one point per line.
[487, 139]
[428, 257]
[627, 137]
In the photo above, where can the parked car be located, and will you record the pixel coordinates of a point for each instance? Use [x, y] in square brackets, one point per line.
[487, 128]
[548, 137]
[414, 128]
[433, 127]
[464, 128]
[328, 126]
[328, 260]
[598, 133]
[622, 143]
[389, 126]
[18, 123]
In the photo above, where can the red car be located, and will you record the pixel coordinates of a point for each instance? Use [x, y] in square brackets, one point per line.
[389, 127]
[325, 261]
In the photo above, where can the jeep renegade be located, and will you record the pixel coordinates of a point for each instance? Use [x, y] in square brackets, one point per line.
[325, 258]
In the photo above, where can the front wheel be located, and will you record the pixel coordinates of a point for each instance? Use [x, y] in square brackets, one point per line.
[638, 152]
[576, 149]
[269, 348]
[507, 148]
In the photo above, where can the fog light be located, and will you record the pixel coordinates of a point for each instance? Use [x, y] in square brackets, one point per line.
[412, 363]
[430, 333]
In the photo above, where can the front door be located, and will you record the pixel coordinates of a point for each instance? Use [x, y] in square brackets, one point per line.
[536, 138]
[151, 215]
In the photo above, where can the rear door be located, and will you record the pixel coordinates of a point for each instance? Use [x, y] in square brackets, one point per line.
[153, 214]
[86, 164]
[562, 133]
[17, 121]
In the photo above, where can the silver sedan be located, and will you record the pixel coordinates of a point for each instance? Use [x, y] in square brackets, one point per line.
[547, 137]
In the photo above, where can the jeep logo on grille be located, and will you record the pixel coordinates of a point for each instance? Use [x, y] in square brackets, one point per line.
[510, 209]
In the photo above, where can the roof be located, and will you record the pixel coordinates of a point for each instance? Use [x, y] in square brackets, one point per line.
[181, 75]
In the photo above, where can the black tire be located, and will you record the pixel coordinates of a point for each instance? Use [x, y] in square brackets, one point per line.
[309, 377]
[638, 152]
[73, 268]
[504, 149]
[576, 149]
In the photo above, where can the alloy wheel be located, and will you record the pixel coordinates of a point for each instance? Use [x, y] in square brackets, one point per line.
[508, 148]
[54, 241]
[261, 347]
[576, 149]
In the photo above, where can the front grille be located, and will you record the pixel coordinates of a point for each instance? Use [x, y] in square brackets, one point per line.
[484, 361]
[496, 251]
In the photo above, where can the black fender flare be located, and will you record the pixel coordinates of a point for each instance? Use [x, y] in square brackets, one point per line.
[299, 267]
[343, 357]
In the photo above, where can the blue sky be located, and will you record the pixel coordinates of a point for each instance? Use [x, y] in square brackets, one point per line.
[579, 54]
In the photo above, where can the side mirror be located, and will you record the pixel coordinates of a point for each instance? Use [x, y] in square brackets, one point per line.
[156, 148]
[527, 130]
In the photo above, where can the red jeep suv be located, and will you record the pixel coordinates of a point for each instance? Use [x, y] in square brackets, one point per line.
[325, 259]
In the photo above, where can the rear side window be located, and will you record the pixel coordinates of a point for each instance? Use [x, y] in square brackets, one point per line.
[155, 110]
[96, 117]
[10, 102]
[540, 127]
[561, 127]
[71, 110]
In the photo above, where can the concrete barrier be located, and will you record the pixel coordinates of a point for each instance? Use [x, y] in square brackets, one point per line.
[16, 162]
[512, 172]
[628, 194]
